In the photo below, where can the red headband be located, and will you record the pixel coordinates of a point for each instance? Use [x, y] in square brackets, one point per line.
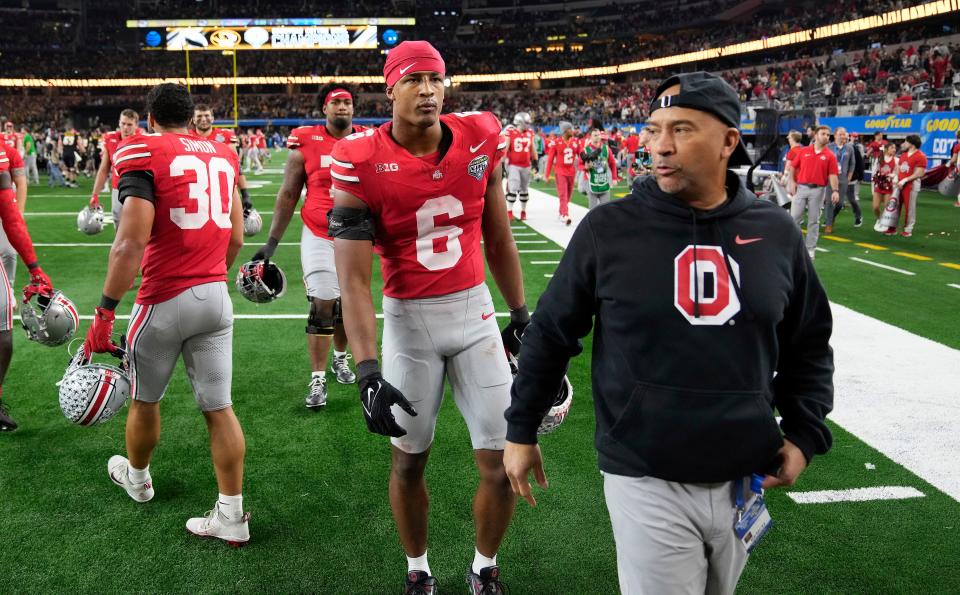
[337, 94]
[409, 57]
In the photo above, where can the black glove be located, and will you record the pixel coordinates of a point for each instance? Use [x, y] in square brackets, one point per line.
[266, 251]
[376, 397]
[245, 202]
[512, 334]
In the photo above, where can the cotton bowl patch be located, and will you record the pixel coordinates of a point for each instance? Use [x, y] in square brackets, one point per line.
[478, 166]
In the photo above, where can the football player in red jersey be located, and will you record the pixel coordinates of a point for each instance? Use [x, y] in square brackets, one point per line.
[521, 155]
[126, 128]
[562, 154]
[203, 128]
[11, 138]
[8, 253]
[308, 164]
[421, 190]
[182, 221]
[15, 233]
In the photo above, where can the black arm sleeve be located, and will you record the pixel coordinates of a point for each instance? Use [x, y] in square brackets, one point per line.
[803, 387]
[136, 183]
[564, 315]
[350, 224]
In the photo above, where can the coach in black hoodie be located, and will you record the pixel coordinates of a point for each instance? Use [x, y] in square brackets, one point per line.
[707, 315]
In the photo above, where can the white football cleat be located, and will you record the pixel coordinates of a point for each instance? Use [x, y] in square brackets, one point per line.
[215, 524]
[117, 469]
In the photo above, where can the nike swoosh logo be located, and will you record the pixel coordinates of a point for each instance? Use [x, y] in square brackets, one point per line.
[404, 70]
[741, 241]
[486, 316]
[477, 148]
[371, 397]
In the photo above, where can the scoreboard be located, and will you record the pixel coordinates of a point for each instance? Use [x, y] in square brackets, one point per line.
[272, 34]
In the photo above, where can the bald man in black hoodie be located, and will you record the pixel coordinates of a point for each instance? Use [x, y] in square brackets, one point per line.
[707, 315]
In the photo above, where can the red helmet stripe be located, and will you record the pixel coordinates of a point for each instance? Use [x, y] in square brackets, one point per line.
[93, 413]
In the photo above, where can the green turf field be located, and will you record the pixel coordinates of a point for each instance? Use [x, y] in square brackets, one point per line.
[316, 482]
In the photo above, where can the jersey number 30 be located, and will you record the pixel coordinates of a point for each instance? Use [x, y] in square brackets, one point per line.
[210, 195]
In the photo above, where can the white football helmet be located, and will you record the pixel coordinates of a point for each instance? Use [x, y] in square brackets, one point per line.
[522, 120]
[561, 404]
[90, 221]
[50, 320]
[93, 393]
[261, 281]
[252, 223]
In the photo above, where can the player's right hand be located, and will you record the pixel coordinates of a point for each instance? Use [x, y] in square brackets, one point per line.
[94, 202]
[99, 335]
[376, 397]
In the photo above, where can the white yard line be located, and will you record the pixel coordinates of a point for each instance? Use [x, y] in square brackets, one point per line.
[299, 316]
[105, 245]
[856, 495]
[953, 285]
[882, 266]
[544, 262]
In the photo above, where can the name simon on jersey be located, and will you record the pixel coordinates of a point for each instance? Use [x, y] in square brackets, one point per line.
[197, 146]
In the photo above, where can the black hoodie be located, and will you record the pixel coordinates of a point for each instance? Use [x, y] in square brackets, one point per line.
[689, 360]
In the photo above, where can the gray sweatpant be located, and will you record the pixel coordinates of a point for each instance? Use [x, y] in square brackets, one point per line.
[597, 198]
[8, 257]
[809, 200]
[30, 163]
[673, 537]
[198, 324]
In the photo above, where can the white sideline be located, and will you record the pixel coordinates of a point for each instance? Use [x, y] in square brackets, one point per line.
[896, 391]
[856, 495]
[299, 316]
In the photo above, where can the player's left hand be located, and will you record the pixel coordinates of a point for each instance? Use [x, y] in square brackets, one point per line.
[513, 334]
[94, 202]
[835, 197]
[99, 335]
[792, 464]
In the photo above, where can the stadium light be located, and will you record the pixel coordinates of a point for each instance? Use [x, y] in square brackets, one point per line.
[893, 17]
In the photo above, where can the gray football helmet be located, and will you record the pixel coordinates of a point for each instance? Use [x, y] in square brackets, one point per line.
[90, 221]
[49, 320]
[93, 393]
[522, 120]
[252, 223]
[261, 281]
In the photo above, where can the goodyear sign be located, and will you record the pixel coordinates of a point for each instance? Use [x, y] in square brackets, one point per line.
[938, 130]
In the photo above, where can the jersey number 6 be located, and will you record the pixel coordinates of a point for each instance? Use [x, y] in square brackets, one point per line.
[207, 191]
[439, 248]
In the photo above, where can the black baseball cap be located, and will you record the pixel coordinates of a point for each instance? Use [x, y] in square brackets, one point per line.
[708, 93]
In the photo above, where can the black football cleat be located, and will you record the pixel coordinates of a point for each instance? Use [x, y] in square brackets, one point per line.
[420, 583]
[485, 583]
[6, 422]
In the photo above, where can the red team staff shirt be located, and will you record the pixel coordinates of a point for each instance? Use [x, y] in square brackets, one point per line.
[427, 212]
[562, 157]
[518, 147]
[193, 184]
[316, 145]
[813, 167]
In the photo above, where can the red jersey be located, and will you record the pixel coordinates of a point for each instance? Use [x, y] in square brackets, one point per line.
[813, 167]
[10, 217]
[519, 145]
[258, 141]
[193, 184]
[315, 143]
[427, 210]
[883, 176]
[12, 140]
[220, 135]
[109, 143]
[562, 153]
[908, 163]
[631, 143]
[791, 153]
[953, 153]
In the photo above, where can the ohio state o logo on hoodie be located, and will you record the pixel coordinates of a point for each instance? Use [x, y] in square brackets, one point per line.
[703, 293]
